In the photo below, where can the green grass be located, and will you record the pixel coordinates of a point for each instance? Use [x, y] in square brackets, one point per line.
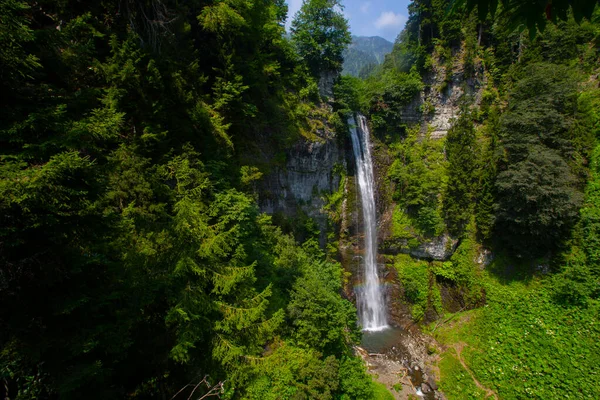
[456, 383]
[381, 392]
[524, 345]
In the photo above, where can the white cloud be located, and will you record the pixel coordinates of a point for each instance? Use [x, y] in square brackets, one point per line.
[388, 19]
[364, 7]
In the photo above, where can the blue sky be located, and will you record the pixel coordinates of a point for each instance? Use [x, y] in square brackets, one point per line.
[384, 18]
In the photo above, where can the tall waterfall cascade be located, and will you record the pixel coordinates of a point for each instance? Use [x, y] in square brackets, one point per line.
[370, 299]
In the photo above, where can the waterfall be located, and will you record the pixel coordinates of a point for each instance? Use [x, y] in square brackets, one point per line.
[371, 305]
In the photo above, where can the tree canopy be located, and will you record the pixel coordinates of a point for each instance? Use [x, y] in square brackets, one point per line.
[320, 34]
[532, 14]
[133, 257]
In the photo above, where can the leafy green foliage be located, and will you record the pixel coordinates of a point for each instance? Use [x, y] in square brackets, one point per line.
[419, 287]
[538, 194]
[456, 381]
[355, 383]
[320, 34]
[465, 274]
[534, 15]
[386, 93]
[420, 176]
[538, 201]
[291, 372]
[134, 256]
[511, 172]
[462, 155]
[381, 392]
[485, 196]
[579, 278]
[347, 92]
[321, 319]
[521, 343]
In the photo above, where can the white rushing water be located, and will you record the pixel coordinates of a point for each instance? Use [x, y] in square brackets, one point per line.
[371, 305]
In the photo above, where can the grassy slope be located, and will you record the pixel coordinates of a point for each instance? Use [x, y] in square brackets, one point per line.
[522, 345]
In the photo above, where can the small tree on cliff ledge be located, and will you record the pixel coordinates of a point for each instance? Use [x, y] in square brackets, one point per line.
[320, 34]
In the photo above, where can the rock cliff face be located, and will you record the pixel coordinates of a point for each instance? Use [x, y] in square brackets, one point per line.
[326, 82]
[308, 175]
[439, 102]
[438, 248]
[433, 110]
[443, 98]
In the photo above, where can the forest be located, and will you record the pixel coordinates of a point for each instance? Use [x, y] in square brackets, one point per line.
[145, 251]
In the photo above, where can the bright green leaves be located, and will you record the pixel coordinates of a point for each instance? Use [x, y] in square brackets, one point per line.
[188, 172]
[590, 213]
[462, 155]
[214, 271]
[249, 175]
[125, 63]
[127, 252]
[61, 188]
[579, 278]
[415, 278]
[387, 93]
[221, 18]
[321, 318]
[347, 94]
[227, 91]
[290, 372]
[128, 185]
[320, 34]
[102, 126]
[419, 171]
[533, 348]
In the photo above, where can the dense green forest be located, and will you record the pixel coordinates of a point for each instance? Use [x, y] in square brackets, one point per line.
[135, 261]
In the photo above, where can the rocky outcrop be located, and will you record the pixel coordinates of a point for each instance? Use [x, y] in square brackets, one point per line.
[301, 184]
[326, 81]
[445, 106]
[439, 103]
[439, 248]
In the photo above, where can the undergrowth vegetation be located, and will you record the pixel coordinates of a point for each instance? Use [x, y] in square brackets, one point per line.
[521, 344]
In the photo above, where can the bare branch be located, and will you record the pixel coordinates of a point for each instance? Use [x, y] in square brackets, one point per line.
[213, 390]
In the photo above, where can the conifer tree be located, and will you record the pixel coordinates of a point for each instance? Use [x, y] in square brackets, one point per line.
[462, 154]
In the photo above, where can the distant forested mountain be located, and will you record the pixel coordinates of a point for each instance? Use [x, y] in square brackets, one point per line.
[365, 52]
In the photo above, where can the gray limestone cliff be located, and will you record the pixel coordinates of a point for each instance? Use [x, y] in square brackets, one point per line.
[438, 248]
[326, 81]
[301, 185]
[439, 102]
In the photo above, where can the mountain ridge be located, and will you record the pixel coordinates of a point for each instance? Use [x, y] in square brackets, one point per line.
[365, 51]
